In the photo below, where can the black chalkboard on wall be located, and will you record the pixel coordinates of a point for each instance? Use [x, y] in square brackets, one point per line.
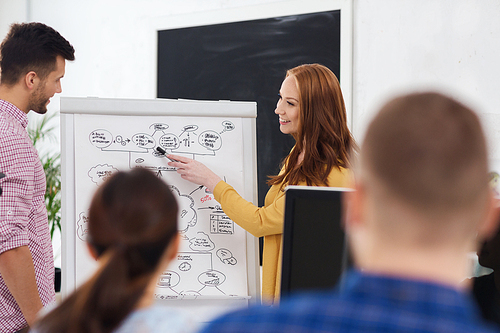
[247, 61]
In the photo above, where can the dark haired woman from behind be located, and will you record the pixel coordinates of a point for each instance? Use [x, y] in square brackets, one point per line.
[311, 109]
[132, 231]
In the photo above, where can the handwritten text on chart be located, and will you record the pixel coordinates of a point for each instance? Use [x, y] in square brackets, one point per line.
[221, 224]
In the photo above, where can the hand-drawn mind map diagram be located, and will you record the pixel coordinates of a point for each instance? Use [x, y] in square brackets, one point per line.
[192, 273]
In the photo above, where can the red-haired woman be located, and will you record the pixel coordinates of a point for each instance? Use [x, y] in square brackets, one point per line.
[310, 108]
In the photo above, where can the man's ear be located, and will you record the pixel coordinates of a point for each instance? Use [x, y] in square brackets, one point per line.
[31, 79]
[352, 206]
[490, 224]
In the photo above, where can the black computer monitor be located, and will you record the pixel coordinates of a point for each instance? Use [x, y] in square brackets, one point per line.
[314, 244]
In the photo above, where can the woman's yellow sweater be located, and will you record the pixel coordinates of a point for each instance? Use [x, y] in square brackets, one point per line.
[267, 222]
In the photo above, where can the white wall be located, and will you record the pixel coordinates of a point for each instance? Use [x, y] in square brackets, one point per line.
[452, 45]
[10, 12]
[449, 45]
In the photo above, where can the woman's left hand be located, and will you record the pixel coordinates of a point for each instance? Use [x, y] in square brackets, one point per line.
[194, 171]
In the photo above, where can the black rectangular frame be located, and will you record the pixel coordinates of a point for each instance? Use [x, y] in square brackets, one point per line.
[320, 264]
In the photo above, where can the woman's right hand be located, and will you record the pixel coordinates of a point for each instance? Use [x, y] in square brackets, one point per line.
[194, 171]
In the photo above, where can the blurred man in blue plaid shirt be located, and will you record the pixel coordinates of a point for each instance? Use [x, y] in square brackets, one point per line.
[421, 199]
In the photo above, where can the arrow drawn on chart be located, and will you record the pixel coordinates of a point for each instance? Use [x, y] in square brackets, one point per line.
[196, 189]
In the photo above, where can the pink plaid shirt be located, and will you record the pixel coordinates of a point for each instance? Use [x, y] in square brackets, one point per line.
[23, 216]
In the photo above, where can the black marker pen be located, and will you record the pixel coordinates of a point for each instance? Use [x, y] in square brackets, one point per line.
[163, 152]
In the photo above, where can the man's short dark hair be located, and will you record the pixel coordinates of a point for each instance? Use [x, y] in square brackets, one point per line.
[31, 47]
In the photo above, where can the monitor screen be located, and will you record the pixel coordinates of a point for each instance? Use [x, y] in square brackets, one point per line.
[314, 244]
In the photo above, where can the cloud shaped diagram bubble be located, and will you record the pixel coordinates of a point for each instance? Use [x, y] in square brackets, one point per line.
[201, 242]
[101, 172]
[187, 214]
[82, 227]
[226, 257]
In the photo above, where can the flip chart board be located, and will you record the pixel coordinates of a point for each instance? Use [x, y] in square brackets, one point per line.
[217, 259]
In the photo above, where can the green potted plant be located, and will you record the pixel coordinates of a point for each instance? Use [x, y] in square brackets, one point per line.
[39, 131]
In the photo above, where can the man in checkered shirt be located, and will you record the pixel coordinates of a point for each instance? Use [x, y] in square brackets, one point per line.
[32, 63]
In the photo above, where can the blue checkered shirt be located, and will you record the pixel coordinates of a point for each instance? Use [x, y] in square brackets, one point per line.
[367, 303]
